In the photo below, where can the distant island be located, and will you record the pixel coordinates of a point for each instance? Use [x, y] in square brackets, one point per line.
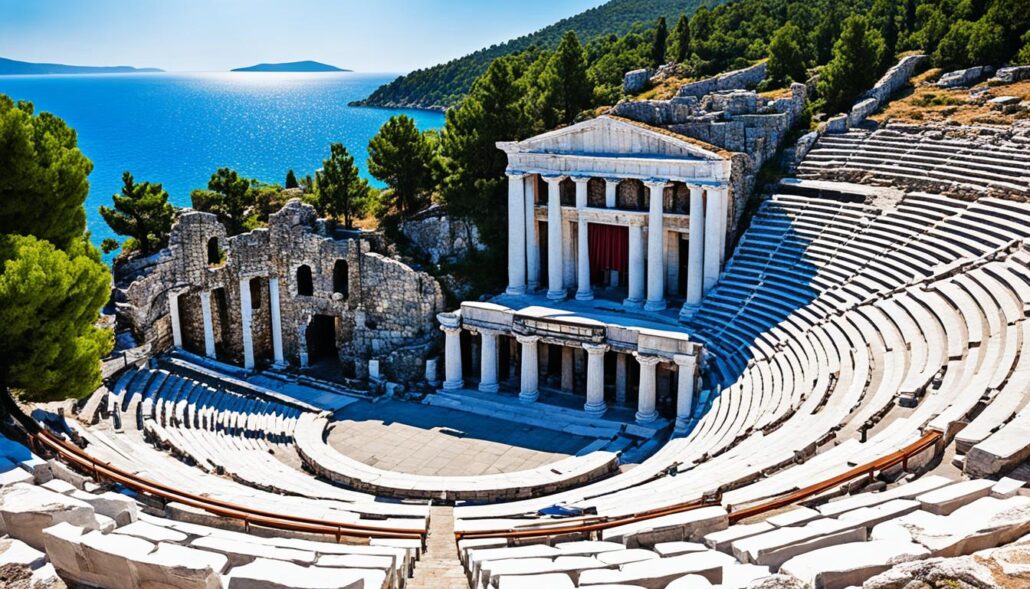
[11, 67]
[293, 66]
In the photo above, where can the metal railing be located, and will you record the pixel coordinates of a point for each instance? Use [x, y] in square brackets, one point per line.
[587, 525]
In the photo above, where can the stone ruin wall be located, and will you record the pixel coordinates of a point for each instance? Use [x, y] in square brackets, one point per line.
[388, 314]
[441, 237]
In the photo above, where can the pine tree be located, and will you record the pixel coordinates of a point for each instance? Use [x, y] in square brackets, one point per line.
[787, 59]
[661, 36]
[681, 39]
[142, 212]
[403, 158]
[52, 282]
[340, 191]
[291, 180]
[884, 17]
[855, 64]
[228, 196]
[42, 175]
[566, 87]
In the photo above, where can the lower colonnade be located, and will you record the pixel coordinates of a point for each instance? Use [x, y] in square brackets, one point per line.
[607, 363]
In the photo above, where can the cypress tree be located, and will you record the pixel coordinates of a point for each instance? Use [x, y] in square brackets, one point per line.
[291, 180]
[403, 158]
[566, 87]
[340, 191]
[681, 39]
[661, 36]
[228, 196]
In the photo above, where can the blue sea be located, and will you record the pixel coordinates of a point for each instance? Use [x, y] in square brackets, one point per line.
[176, 129]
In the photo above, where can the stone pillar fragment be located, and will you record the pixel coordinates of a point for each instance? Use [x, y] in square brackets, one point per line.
[246, 321]
[687, 364]
[568, 369]
[595, 404]
[713, 208]
[209, 330]
[532, 239]
[611, 189]
[516, 234]
[488, 361]
[620, 379]
[646, 396]
[277, 323]
[656, 246]
[173, 312]
[530, 375]
[450, 324]
[583, 290]
[635, 294]
[695, 254]
[555, 262]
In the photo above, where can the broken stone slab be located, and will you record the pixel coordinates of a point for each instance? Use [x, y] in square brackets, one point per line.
[241, 553]
[573, 566]
[11, 474]
[741, 575]
[271, 574]
[1011, 75]
[19, 553]
[386, 564]
[105, 524]
[28, 509]
[654, 112]
[666, 549]
[555, 580]
[21, 456]
[844, 565]
[689, 582]
[151, 532]
[59, 486]
[688, 526]
[777, 546]
[478, 556]
[795, 517]
[947, 499]
[964, 571]
[1006, 488]
[110, 555]
[120, 508]
[985, 523]
[464, 546]
[626, 556]
[45, 577]
[722, 540]
[905, 491]
[965, 77]
[181, 567]
[871, 516]
[635, 81]
[656, 574]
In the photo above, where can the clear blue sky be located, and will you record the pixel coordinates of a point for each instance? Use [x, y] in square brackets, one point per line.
[216, 35]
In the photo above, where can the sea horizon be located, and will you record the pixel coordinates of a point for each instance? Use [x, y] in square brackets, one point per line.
[177, 128]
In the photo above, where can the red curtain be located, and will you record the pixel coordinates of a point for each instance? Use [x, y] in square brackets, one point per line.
[609, 249]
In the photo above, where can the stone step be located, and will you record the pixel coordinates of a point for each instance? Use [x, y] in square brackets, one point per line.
[439, 567]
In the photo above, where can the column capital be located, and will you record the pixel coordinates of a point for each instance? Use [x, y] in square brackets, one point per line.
[555, 179]
[596, 349]
[694, 188]
[580, 179]
[449, 321]
[685, 360]
[515, 174]
[647, 360]
[527, 339]
[613, 179]
[205, 294]
[656, 183]
[488, 332]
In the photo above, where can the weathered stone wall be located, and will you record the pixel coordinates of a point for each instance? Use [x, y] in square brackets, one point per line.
[748, 77]
[440, 237]
[885, 87]
[388, 310]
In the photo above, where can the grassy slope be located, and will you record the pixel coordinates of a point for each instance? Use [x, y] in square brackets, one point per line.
[443, 85]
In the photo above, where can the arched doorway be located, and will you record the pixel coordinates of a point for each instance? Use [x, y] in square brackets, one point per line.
[321, 338]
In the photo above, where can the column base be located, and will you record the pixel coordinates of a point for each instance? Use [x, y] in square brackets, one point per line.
[488, 387]
[595, 410]
[451, 385]
[529, 396]
[515, 290]
[646, 417]
[556, 295]
[279, 365]
[688, 311]
[633, 303]
[303, 359]
[658, 305]
[682, 425]
[587, 295]
[532, 287]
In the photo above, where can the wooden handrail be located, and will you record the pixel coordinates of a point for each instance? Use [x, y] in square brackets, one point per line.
[75, 455]
[898, 457]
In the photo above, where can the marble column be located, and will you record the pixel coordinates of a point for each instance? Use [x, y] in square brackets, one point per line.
[246, 320]
[488, 361]
[516, 234]
[209, 330]
[635, 294]
[277, 324]
[611, 190]
[672, 262]
[620, 379]
[451, 327]
[555, 263]
[532, 239]
[530, 389]
[724, 222]
[695, 254]
[656, 246]
[173, 312]
[595, 404]
[687, 364]
[646, 411]
[713, 208]
[568, 364]
[583, 290]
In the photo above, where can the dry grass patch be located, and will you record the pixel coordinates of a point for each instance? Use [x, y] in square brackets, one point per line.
[929, 104]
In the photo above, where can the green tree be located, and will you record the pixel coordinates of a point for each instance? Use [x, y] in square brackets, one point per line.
[142, 212]
[681, 40]
[986, 43]
[228, 196]
[855, 64]
[884, 18]
[1023, 57]
[566, 89]
[51, 292]
[661, 37]
[787, 59]
[291, 180]
[50, 345]
[403, 158]
[340, 191]
[42, 175]
[827, 32]
[474, 183]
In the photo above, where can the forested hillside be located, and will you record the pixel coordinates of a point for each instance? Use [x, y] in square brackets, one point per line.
[443, 85]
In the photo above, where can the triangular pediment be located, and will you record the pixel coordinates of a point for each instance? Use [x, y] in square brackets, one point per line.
[614, 137]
